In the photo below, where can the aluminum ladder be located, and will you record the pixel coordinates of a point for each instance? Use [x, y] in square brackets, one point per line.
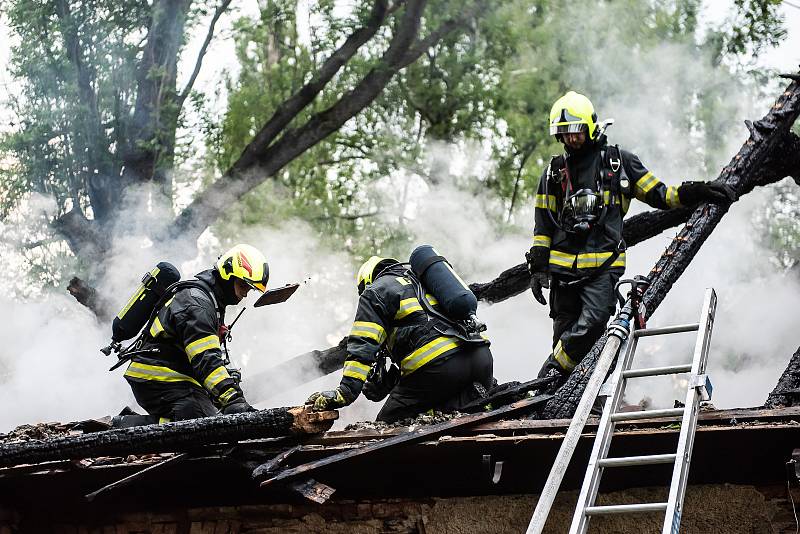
[699, 388]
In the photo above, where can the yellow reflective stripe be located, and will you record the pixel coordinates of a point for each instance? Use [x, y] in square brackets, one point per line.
[426, 353]
[645, 184]
[607, 197]
[596, 259]
[215, 377]
[356, 370]
[225, 397]
[561, 259]
[545, 202]
[626, 203]
[407, 307]
[673, 201]
[162, 420]
[431, 299]
[156, 327]
[370, 330]
[196, 347]
[403, 281]
[542, 241]
[157, 373]
[563, 358]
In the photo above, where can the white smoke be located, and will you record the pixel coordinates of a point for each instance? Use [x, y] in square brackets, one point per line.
[51, 368]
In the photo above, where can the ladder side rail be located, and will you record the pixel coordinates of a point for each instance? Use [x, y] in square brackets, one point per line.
[680, 473]
[602, 440]
[573, 434]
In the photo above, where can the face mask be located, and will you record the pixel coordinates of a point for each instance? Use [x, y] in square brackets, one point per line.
[581, 210]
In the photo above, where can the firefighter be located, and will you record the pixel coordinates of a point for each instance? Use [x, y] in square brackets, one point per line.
[578, 252]
[436, 371]
[180, 372]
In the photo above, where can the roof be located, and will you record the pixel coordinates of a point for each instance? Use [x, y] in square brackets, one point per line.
[745, 446]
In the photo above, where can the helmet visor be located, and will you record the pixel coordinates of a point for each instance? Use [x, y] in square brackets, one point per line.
[572, 127]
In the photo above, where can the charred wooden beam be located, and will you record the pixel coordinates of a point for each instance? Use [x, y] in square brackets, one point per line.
[786, 390]
[415, 436]
[130, 479]
[742, 174]
[180, 436]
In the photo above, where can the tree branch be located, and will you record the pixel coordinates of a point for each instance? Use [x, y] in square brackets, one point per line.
[241, 178]
[289, 109]
[198, 64]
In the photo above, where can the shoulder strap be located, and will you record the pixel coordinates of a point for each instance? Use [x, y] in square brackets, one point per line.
[185, 284]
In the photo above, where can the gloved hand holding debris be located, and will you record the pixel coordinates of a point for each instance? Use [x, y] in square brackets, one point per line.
[322, 401]
[692, 193]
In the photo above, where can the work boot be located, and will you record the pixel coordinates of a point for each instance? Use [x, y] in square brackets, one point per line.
[551, 368]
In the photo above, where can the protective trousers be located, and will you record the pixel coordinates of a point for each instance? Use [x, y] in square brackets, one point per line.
[440, 385]
[173, 401]
[580, 314]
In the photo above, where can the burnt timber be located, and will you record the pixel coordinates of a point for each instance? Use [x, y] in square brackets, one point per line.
[746, 447]
[170, 437]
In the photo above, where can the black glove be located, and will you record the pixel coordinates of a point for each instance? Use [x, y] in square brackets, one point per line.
[692, 193]
[323, 401]
[380, 382]
[237, 406]
[537, 259]
[539, 281]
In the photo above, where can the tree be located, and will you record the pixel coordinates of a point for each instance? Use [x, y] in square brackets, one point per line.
[121, 63]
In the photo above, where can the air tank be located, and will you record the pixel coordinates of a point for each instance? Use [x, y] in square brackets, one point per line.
[439, 279]
[130, 320]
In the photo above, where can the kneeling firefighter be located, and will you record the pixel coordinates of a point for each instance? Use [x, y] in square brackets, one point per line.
[178, 370]
[421, 317]
[577, 243]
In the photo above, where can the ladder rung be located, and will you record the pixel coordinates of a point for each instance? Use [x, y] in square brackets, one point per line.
[626, 508]
[655, 371]
[666, 330]
[637, 460]
[646, 414]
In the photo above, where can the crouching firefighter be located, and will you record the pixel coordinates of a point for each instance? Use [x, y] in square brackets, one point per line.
[420, 320]
[178, 368]
[578, 251]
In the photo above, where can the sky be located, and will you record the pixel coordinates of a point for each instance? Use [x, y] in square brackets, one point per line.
[751, 310]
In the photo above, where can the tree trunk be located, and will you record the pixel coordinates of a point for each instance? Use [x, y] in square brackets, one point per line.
[170, 437]
[742, 174]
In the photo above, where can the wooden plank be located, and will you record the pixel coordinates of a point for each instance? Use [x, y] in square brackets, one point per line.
[417, 435]
[271, 465]
[127, 480]
[556, 425]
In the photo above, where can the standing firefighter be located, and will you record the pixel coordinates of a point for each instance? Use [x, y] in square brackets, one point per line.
[180, 372]
[441, 366]
[577, 243]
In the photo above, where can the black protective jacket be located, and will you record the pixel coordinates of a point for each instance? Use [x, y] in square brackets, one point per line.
[390, 316]
[620, 175]
[185, 334]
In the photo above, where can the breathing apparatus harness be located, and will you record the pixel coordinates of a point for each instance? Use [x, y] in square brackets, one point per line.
[584, 210]
[385, 374]
[135, 347]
